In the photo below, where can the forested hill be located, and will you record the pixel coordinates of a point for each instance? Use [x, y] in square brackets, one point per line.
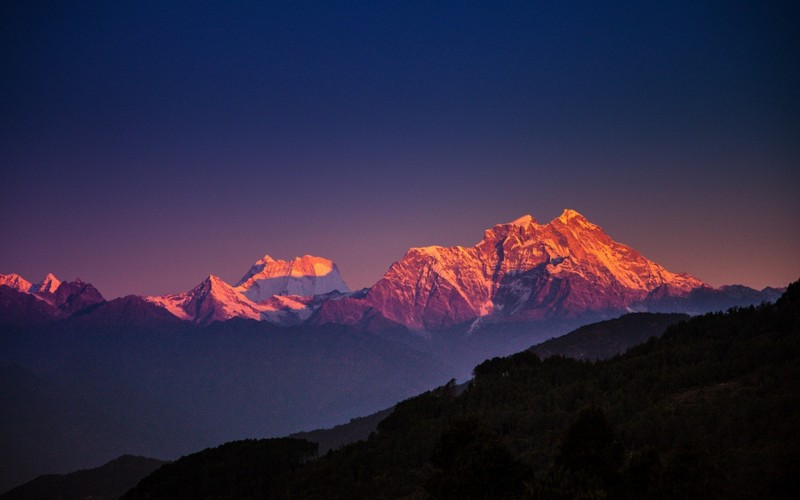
[710, 409]
[605, 339]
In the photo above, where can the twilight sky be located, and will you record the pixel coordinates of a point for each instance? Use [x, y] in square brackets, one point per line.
[144, 145]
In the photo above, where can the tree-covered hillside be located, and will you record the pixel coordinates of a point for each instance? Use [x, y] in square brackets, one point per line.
[605, 339]
[709, 410]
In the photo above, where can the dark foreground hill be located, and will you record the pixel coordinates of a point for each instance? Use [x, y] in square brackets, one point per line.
[605, 339]
[709, 410]
[107, 482]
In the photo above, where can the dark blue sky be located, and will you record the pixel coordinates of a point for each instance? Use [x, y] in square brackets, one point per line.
[145, 145]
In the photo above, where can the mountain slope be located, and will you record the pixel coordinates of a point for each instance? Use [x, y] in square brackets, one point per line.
[211, 300]
[709, 410]
[276, 291]
[107, 482]
[521, 270]
[74, 296]
[23, 309]
[48, 285]
[608, 338]
[23, 304]
[16, 282]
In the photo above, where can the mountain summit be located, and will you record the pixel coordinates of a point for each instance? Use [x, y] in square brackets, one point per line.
[279, 291]
[304, 276]
[521, 270]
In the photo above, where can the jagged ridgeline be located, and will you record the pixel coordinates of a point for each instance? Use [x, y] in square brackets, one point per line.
[710, 409]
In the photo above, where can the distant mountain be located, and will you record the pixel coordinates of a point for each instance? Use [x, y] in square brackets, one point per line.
[127, 312]
[706, 298]
[107, 482]
[608, 338]
[23, 309]
[305, 276]
[24, 304]
[525, 271]
[277, 291]
[211, 300]
[74, 296]
[44, 290]
[48, 284]
[565, 270]
[16, 282]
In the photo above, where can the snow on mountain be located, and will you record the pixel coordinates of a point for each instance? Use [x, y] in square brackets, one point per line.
[211, 300]
[53, 299]
[278, 291]
[47, 290]
[523, 269]
[305, 276]
[49, 284]
[566, 269]
[16, 282]
[292, 309]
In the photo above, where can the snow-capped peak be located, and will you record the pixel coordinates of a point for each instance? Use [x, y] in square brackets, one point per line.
[308, 265]
[574, 220]
[568, 214]
[432, 250]
[304, 276]
[215, 281]
[49, 284]
[15, 281]
[522, 221]
[568, 266]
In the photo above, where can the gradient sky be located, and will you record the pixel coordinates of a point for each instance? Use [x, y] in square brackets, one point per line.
[144, 145]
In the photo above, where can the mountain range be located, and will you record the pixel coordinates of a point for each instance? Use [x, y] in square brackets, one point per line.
[521, 271]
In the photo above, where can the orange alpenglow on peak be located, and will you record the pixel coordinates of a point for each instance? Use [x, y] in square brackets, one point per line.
[49, 284]
[568, 214]
[563, 269]
[215, 280]
[305, 276]
[257, 294]
[309, 265]
[523, 221]
[266, 259]
[15, 281]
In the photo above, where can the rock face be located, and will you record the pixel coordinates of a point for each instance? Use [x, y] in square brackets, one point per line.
[521, 270]
[71, 297]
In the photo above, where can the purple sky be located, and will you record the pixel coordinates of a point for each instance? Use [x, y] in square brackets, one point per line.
[143, 147]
